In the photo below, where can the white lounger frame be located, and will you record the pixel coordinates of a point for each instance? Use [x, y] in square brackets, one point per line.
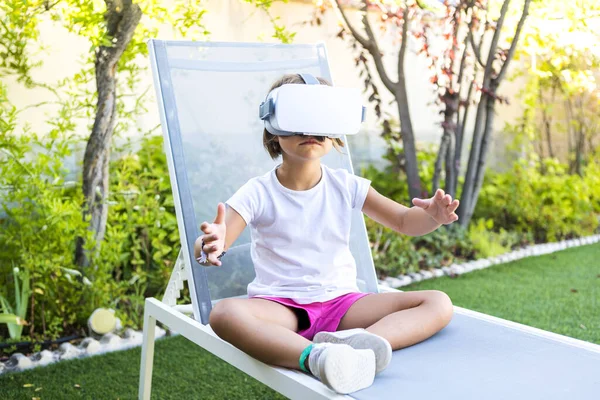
[290, 383]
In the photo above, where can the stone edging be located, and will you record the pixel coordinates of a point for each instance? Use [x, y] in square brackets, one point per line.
[88, 347]
[459, 269]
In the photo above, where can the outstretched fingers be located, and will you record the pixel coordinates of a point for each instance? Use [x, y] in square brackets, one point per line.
[447, 200]
[453, 206]
[449, 211]
[439, 195]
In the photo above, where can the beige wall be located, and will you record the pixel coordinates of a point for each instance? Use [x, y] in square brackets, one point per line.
[233, 20]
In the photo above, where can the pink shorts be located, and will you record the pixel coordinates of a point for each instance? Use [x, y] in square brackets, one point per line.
[319, 317]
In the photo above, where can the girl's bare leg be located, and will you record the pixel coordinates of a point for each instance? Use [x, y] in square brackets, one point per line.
[261, 328]
[403, 318]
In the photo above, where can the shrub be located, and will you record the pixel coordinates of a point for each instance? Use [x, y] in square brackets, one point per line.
[142, 240]
[488, 243]
[550, 206]
[395, 254]
[41, 219]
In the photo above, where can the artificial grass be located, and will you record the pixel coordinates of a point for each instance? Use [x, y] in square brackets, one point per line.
[182, 370]
[558, 292]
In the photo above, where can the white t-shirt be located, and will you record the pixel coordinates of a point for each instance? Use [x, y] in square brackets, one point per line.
[300, 239]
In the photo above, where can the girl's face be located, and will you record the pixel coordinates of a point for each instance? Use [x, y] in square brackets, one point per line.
[304, 147]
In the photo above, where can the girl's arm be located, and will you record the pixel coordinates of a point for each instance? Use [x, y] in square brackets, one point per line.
[220, 235]
[425, 217]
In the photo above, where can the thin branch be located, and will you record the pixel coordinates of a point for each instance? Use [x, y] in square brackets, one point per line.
[495, 39]
[471, 37]
[476, 48]
[461, 123]
[369, 44]
[463, 59]
[437, 172]
[375, 53]
[359, 38]
[461, 67]
[47, 6]
[43, 103]
[15, 159]
[403, 45]
[513, 45]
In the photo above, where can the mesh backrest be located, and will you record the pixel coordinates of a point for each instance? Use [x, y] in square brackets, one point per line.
[208, 95]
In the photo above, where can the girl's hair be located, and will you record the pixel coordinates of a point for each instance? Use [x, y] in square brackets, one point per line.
[269, 141]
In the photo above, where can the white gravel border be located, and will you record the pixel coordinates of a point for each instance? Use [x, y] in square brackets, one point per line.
[459, 269]
[66, 351]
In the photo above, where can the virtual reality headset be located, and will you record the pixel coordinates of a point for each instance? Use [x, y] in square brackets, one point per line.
[312, 109]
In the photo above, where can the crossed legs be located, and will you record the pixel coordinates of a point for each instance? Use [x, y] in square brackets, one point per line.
[403, 318]
[267, 330]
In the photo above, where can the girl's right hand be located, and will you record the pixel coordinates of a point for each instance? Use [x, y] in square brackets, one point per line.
[213, 238]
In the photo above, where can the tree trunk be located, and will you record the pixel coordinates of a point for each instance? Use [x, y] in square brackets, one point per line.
[122, 18]
[485, 110]
[441, 157]
[488, 131]
[408, 144]
[397, 89]
[450, 101]
[468, 187]
[460, 132]
[451, 176]
[470, 179]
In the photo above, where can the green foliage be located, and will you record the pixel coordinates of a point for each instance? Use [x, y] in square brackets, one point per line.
[41, 214]
[591, 182]
[280, 33]
[18, 28]
[392, 180]
[142, 240]
[516, 208]
[560, 95]
[395, 254]
[14, 316]
[550, 206]
[42, 218]
[489, 243]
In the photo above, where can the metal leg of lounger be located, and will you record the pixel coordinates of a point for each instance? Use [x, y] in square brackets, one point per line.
[147, 355]
[290, 383]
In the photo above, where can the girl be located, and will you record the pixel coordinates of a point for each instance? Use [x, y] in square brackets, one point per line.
[304, 309]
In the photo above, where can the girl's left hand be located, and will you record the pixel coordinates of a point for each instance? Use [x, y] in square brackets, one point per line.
[440, 207]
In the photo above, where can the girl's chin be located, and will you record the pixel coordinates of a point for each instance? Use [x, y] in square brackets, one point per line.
[306, 157]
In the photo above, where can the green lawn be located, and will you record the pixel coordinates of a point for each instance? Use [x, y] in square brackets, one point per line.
[181, 371]
[557, 292]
